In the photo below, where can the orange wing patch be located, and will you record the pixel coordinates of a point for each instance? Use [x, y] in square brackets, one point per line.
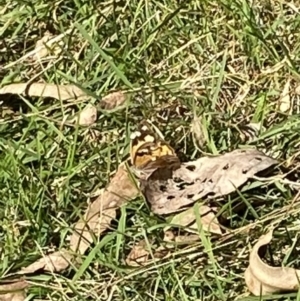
[147, 151]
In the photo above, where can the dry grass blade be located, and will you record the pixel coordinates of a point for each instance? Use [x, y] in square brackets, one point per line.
[263, 279]
[285, 99]
[101, 212]
[60, 92]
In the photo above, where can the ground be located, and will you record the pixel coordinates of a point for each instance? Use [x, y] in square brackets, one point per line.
[229, 66]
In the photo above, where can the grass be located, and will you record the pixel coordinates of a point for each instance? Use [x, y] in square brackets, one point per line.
[226, 61]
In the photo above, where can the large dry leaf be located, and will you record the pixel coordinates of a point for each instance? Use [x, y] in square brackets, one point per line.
[14, 291]
[112, 100]
[55, 262]
[60, 92]
[187, 219]
[208, 177]
[263, 279]
[103, 210]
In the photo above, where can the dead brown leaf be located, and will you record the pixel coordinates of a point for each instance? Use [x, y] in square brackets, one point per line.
[87, 116]
[140, 254]
[113, 100]
[187, 219]
[262, 279]
[14, 291]
[55, 262]
[206, 177]
[45, 46]
[103, 210]
[60, 92]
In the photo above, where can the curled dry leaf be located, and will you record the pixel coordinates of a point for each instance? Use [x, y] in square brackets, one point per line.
[113, 100]
[285, 100]
[14, 291]
[87, 116]
[262, 279]
[60, 92]
[187, 219]
[206, 177]
[55, 262]
[103, 210]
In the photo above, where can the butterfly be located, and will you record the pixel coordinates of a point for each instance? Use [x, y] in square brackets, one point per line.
[149, 153]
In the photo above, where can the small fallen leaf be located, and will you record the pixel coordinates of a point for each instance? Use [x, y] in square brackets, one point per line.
[55, 262]
[112, 100]
[209, 177]
[102, 211]
[140, 254]
[285, 100]
[187, 219]
[87, 116]
[60, 92]
[262, 279]
[45, 46]
[14, 291]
